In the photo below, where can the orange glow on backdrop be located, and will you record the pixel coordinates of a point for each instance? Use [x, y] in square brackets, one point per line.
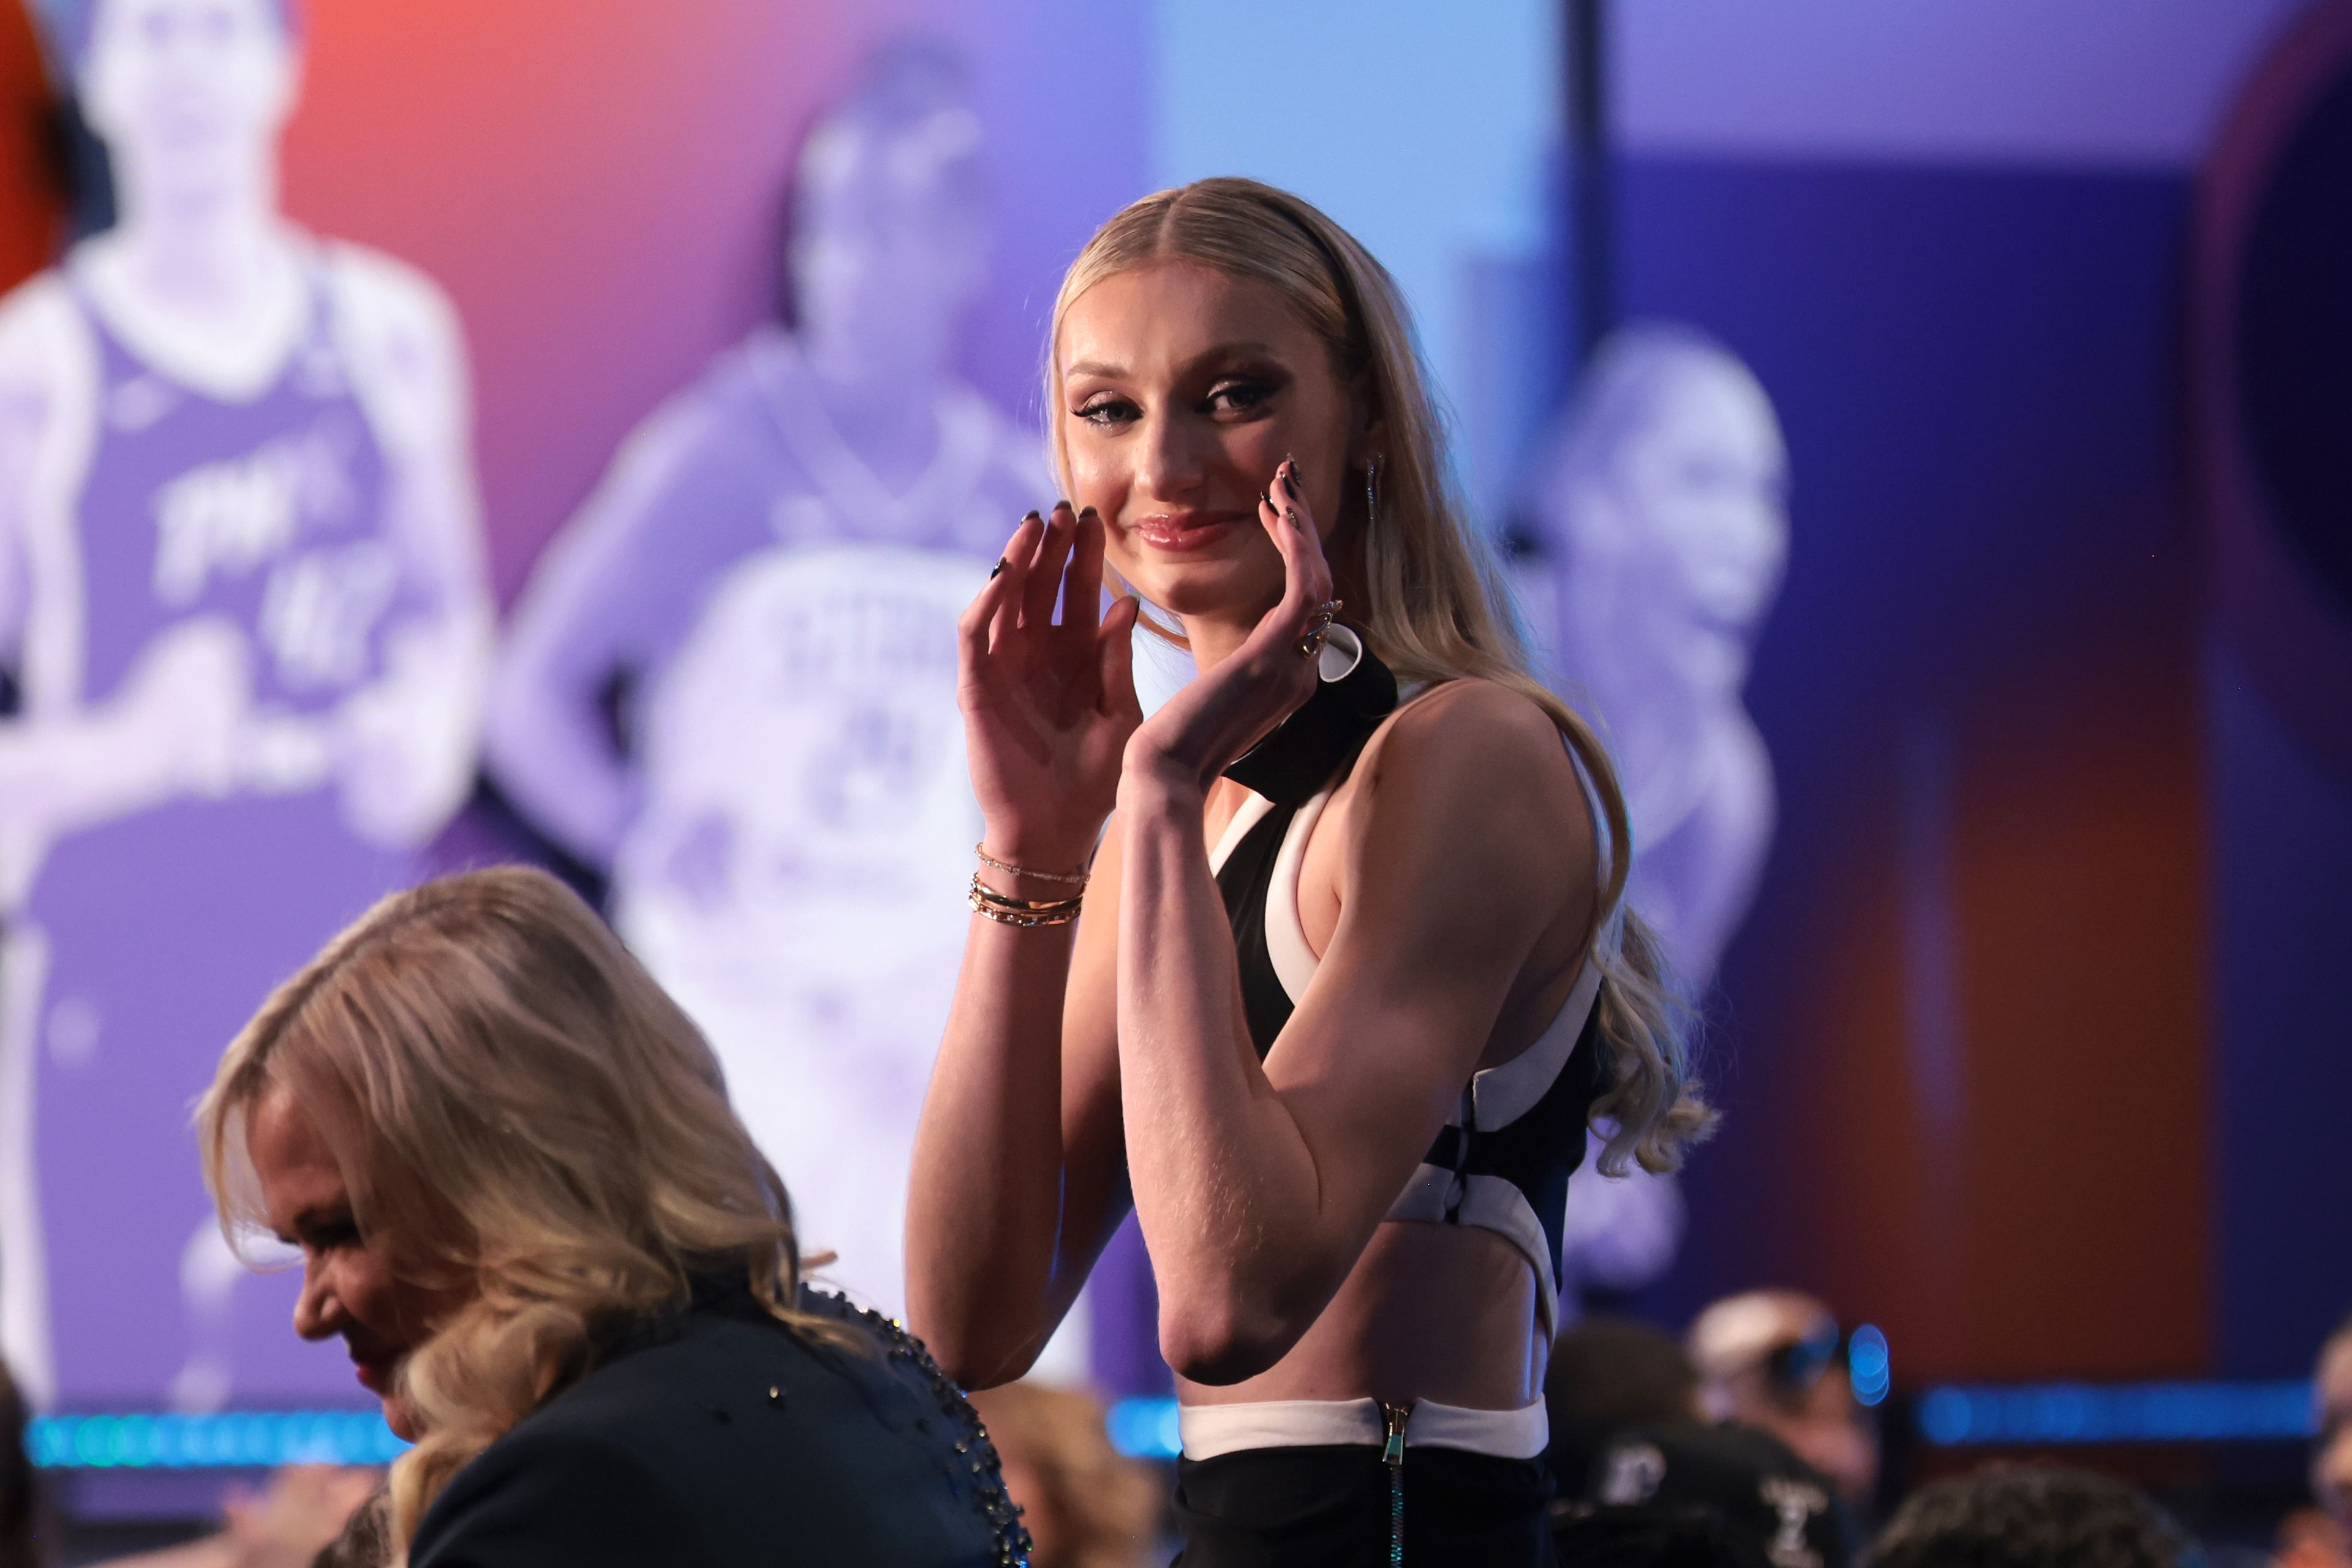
[598, 186]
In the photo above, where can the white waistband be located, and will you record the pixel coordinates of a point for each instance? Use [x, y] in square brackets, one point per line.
[1209, 1430]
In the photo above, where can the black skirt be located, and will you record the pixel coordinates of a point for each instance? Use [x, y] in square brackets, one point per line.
[1332, 1508]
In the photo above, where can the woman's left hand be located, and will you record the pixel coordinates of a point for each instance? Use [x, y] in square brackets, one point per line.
[1227, 710]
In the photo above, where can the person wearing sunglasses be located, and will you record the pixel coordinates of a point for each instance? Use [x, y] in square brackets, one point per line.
[1778, 1360]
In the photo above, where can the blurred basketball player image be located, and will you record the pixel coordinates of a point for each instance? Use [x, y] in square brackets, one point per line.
[770, 579]
[241, 585]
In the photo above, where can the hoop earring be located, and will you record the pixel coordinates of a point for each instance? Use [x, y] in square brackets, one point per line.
[1372, 490]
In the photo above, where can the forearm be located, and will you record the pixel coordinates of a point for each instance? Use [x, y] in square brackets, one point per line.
[1226, 1187]
[985, 1204]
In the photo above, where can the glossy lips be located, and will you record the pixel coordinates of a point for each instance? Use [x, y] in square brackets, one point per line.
[1181, 531]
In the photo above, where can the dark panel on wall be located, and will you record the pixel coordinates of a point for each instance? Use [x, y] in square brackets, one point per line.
[2274, 337]
[1962, 1038]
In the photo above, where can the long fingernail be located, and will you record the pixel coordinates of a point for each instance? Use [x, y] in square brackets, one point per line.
[1293, 515]
[1030, 516]
[1266, 498]
[1000, 563]
[1296, 480]
[1086, 512]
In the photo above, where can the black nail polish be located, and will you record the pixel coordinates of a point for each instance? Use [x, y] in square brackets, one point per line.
[1297, 478]
[1293, 515]
[1000, 563]
[1086, 513]
[1266, 498]
[1032, 516]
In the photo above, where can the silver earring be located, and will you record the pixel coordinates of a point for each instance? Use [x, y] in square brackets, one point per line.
[1371, 490]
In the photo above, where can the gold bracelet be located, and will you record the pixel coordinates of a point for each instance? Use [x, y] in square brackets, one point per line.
[982, 893]
[992, 863]
[1003, 911]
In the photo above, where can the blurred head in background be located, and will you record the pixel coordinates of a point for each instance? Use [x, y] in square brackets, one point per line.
[1663, 501]
[2331, 1459]
[888, 222]
[1087, 1505]
[1607, 1374]
[2031, 1518]
[1779, 1361]
[189, 95]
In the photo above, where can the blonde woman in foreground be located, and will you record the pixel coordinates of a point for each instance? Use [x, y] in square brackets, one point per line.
[526, 1207]
[1341, 1063]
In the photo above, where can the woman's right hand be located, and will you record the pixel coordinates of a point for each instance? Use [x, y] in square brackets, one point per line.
[1047, 708]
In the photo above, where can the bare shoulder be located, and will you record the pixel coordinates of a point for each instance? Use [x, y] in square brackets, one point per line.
[1475, 767]
[1478, 737]
[388, 303]
[38, 323]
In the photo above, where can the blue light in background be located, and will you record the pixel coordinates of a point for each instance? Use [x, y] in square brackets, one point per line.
[2024, 1416]
[2038, 1414]
[239, 1440]
[1145, 1428]
[1868, 1366]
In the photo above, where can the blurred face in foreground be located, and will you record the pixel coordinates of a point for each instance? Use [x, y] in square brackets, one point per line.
[1182, 389]
[352, 1287]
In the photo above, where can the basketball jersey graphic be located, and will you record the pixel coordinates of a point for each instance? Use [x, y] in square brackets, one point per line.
[257, 528]
[793, 879]
[788, 819]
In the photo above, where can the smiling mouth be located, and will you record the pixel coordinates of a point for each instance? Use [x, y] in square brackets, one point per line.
[375, 1371]
[1181, 531]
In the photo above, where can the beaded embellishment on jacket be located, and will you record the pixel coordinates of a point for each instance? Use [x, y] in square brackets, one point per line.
[970, 1457]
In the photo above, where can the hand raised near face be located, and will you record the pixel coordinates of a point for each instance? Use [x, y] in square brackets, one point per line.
[1048, 704]
[1228, 709]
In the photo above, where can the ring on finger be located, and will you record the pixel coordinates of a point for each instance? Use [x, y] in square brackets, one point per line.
[1318, 626]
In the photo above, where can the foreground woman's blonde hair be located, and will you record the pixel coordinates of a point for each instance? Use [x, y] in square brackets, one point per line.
[517, 1103]
[1418, 581]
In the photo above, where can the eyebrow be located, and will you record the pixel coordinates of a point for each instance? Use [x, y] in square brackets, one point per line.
[1223, 350]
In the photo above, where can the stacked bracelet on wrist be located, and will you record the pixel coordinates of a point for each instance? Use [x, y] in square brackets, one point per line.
[1007, 911]
[987, 901]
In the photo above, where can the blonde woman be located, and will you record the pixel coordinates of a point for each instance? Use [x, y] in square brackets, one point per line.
[526, 1208]
[1341, 1063]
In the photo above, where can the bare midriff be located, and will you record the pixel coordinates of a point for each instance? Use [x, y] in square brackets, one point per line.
[1430, 1311]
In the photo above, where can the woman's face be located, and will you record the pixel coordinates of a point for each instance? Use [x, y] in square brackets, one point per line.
[883, 256]
[1182, 389]
[351, 1286]
[191, 89]
[1701, 486]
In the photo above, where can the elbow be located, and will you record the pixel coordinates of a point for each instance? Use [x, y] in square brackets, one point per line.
[971, 1371]
[1225, 1340]
[968, 1348]
[972, 1363]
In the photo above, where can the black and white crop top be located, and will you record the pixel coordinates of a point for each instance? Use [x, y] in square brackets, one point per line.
[1504, 1157]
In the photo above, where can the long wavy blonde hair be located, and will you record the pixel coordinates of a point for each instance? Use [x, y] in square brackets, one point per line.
[1420, 582]
[518, 1109]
